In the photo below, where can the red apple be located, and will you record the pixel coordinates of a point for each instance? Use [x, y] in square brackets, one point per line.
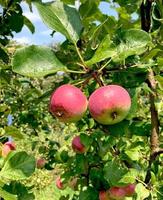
[77, 146]
[7, 147]
[109, 104]
[68, 103]
[130, 189]
[117, 193]
[41, 163]
[59, 183]
[103, 195]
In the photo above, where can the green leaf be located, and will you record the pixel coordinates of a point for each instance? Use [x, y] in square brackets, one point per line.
[20, 190]
[113, 173]
[133, 153]
[86, 140]
[119, 129]
[89, 193]
[61, 18]
[19, 165]
[36, 61]
[132, 41]
[14, 132]
[29, 24]
[105, 50]
[126, 43]
[129, 177]
[141, 191]
[6, 195]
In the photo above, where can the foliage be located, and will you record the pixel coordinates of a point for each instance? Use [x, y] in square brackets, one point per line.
[98, 50]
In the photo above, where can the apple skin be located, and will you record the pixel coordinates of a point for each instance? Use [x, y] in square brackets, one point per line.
[109, 104]
[7, 147]
[68, 103]
[77, 146]
[117, 193]
[59, 183]
[130, 189]
[103, 195]
[40, 163]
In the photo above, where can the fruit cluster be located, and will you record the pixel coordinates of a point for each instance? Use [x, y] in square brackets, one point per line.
[117, 192]
[107, 105]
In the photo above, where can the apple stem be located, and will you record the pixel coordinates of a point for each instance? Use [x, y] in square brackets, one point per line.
[95, 75]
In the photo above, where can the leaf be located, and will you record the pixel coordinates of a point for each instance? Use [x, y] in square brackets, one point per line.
[20, 190]
[19, 165]
[89, 193]
[119, 129]
[126, 43]
[141, 191]
[62, 18]
[36, 61]
[132, 41]
[86, 140]
[29, 24]
[14, 132]
[129, 177]
[105, 50]
[133, 153]
[113, 173]
[6, 195]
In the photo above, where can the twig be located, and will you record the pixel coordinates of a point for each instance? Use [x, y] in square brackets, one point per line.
[95, 75]
[81, 58]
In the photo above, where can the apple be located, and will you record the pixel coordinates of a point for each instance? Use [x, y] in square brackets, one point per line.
[117, 193]
[109, 104]
[7, 147]
[77, 146]
[68, 103]
[59, 183]
[130, 189]
[103, 195]
[40, 163]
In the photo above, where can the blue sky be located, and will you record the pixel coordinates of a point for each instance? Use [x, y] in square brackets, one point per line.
[42, 32]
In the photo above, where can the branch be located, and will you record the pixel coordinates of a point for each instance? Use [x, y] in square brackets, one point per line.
[95, 75]
[154, 138]
[154, 114]
[145, 11]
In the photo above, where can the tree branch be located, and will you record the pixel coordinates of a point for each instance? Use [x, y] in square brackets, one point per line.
[154, 138]
[145, 11]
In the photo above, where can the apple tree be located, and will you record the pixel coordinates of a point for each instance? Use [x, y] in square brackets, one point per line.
[103, 88]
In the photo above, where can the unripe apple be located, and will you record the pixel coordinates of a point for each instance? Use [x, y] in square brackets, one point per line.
[117, 193]
[103, 195]
[59, 183]
[40, 163]
[77, 146]
[7, 147]
[68, 103]
[109, 104]
[130, 189]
